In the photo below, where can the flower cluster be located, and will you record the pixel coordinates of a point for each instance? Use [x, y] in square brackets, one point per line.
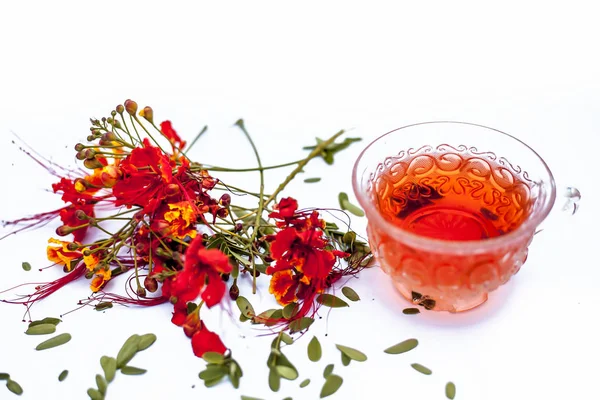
[175, 236]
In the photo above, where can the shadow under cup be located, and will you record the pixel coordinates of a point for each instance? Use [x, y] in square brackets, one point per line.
[452, 208]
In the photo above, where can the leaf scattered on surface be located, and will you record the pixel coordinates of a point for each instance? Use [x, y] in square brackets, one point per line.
[411, 311]
[63, 375]
[109, 366]
[328, 370]
[353, 354]
[345, 204]
[350, 293]
[103, 306]
[213, 357]
[95, 394]
[47, 320]
[250, 398]
[330, 300]
[450, 390]
[312, 180]
[54, 342]
[332, 384]
[26, 266]
[314, 350]
[287, 339]
[402, 347]
[304, 383]
[127, 370]
[345, 360]
[245, 307]
[14, 387]
[41, 329]
[4, 376]
[146, 341]
[274, 380]
[287, 372]
[101, 384]
[128, 350]
[301, 324]
[290, 310]
[422, 369]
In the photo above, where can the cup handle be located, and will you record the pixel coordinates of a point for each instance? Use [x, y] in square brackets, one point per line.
[567, 196]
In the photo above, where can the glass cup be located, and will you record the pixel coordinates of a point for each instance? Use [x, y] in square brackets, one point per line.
[449, 219]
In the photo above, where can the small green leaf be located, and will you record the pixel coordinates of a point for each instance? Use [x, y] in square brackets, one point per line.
[213, 357]
[245, 307]
[421, 368]
[304, 383]
[346, 205]
[42, 329]
[286, 372]
[301, 324]
[327, 371]
[314, 350]
[190, 307]
[14, 387]
[288, 398]
[54, 342]
[26, 266]
[47, 320]
[274, 380]
[109, 366]
[146, 341]
[63, 375]
[332, 384]
[345, 360]
[312, 180]
[250, 398]
[290, 310]
[129, 349]
[353, 354]
[235, 373]
[402, 347]
[127, 370]
[330, 300]
[101, 384]
[212, 382]
[95, 394]
[105, 305]
[287, 339]
[4, 376]
[411, 311]
[350, 293]
[450, 390]
[264, 316]
[213, 372]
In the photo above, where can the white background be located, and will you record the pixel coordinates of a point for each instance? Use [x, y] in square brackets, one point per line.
[294, 71]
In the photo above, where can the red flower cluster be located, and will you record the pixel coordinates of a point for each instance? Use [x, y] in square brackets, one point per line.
[303, 257]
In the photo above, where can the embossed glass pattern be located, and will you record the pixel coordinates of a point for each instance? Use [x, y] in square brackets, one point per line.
[452, 208]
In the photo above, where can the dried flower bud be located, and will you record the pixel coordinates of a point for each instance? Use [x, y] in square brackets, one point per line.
[64, 230]
[120, 108]
[109, 137]
[151, 284]
[81, 215]
[225, 277]
[131, 107]
[92, 164]
[94, 122]
[225, 200]
[148, 114]
[234, 292]
[79, 147]
[141, 291]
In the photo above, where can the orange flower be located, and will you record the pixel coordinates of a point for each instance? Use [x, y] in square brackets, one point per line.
[102, 276]
[181, 219]
[61, 254]
[284, 285]
[91, 261]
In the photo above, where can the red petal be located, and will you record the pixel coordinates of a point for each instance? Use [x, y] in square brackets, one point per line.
[204, 341]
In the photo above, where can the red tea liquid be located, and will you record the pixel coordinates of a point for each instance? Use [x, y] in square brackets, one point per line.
[453, 195]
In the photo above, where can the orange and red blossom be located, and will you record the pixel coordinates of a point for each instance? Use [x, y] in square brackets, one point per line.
[285, 286]
[166, 128]
[58, 252]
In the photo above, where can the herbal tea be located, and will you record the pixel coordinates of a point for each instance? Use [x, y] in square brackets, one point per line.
[453, 195]
[441, 197]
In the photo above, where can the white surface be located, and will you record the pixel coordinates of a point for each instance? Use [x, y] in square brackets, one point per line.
[294, 72]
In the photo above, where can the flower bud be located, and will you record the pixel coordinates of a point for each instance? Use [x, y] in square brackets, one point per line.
[234, 292]
[110, 175]
[92, 164]
[89, 274]
[79, 147]
[72, 246]
[172, 189]
[90, 138]
[225, 200]
[80, 155]
[109, 136]
[238, 227]
[141, 291]
[151, 284]
[173, 299]
[131, 107]
[81, 215]
[94, 122]
[90, 154]
[148, 114]
[110, 120]
[223, 212]
[120, 108]
[113, 113]
[64, 230]
[87, 252]
[117, 124]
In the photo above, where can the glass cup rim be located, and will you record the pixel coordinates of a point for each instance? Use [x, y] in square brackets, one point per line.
[468, 246]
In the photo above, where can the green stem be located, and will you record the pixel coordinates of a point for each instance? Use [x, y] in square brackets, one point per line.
[149, 134]
[224, 169]
[315, 153]
[197, 137]
[261, 200]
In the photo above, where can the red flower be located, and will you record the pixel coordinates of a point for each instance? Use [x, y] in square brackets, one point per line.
[167, 130]
[147, 173]
[68, 217]
[205, 341]
[200, 265]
